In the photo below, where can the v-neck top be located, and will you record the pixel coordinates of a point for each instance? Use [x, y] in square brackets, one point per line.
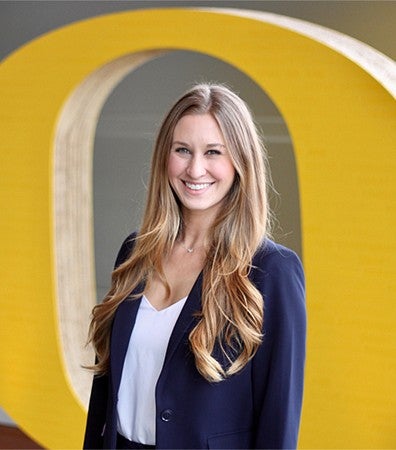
[143, 363]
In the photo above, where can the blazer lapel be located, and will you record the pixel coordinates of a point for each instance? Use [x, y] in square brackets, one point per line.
[123, 324]
[186, 320]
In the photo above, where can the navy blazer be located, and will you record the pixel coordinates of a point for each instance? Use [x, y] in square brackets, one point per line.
[257, 408]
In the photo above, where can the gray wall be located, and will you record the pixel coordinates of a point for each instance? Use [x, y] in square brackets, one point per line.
[131, 115]
[371, 22]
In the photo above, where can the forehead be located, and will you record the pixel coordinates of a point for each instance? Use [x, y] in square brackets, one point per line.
[198, 127]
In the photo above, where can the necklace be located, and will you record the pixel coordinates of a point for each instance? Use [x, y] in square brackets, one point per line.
[189, 250]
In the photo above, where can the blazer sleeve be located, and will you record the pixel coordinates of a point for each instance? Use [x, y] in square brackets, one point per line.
[98, 403]
[278, 366]
[96, 419]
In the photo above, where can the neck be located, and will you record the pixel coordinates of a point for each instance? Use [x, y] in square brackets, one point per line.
[195, 230]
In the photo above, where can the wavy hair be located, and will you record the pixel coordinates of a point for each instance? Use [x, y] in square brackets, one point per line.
[232, 307]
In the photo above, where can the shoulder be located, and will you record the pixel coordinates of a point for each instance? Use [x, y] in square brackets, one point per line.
[272, 259]
[278, 274]
[126, 249]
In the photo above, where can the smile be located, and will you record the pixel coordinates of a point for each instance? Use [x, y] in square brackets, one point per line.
[197, 187]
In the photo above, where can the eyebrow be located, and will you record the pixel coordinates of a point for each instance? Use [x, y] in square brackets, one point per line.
[214, 144]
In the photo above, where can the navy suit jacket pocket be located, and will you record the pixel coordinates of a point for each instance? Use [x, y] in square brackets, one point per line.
[234, 440]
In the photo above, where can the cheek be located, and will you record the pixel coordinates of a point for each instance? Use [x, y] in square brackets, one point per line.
[226, 172]
[175, 166]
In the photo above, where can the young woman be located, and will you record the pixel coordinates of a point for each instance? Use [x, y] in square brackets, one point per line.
[200, 342]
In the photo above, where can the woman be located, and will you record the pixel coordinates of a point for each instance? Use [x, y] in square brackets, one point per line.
[200, 342]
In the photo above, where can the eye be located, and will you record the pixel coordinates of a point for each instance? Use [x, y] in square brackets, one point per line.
[182, 150]
[213, 152]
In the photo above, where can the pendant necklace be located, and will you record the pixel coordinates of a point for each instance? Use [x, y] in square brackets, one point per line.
[189, 250]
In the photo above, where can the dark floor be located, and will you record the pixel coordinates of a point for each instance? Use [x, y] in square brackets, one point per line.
[14, 438]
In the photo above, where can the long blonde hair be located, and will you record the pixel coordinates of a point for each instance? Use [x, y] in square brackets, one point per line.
[232, 307]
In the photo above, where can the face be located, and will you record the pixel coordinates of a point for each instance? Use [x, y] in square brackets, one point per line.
[200, 169]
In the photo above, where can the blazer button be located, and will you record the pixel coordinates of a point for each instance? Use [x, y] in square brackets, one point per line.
[166, 415]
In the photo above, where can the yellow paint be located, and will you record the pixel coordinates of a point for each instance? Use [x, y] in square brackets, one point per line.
[342, 124]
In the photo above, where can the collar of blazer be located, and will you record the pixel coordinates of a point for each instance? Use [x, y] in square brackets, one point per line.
[124, 321]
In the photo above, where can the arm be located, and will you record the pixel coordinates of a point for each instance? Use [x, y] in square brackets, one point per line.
[97, 409]
[278, 366]
[96, 413]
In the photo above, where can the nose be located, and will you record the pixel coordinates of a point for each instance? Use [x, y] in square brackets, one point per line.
[196, 167]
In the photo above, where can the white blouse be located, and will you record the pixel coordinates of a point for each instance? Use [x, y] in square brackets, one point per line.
[142, 366]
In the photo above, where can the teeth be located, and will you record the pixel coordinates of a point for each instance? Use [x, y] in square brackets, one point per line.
[197, 187]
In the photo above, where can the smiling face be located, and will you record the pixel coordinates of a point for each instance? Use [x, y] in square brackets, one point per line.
[200, 169]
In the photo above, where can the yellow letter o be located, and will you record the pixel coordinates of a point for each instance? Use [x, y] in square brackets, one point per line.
[341, 116]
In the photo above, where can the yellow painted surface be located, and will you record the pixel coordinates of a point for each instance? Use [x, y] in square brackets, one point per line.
[342, 124]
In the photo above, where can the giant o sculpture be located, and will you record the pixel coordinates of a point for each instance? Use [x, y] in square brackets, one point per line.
[337, 98]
